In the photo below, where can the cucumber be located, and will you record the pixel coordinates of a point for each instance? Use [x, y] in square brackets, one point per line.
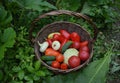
[49, 62]
[66, 46]
[48, 58]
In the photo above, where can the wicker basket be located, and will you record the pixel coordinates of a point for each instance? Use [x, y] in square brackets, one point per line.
[70, 27]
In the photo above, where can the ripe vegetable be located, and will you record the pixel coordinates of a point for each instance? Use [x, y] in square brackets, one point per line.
[51, 52]
[60, 58]
[75, 37]
[58, 37]
[66, 46]
[48, 58]
[76, 44]
[55, 64]
[85, 48]
[68, 53]
[43, 46]
[62, 44]
[84, 43]
[51, 34]
[64, 66]
[65, 34]
[49, 42]
[83, 55]
[56, 45]
[74, 61]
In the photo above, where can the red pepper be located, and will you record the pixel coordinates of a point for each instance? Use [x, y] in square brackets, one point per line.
[84, 43]
[65, 34]
[49, 41]
[58, 37]
[75, 36]
[62, 43]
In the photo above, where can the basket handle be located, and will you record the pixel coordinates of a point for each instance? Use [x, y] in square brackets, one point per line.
[59, 12]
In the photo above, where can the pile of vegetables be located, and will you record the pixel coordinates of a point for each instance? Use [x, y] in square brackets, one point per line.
[64, 50]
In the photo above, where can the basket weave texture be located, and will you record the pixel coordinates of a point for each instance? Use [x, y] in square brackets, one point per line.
[56, 27]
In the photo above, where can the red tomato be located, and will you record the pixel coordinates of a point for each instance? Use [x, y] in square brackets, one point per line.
[84, 43]
[85, 48]
[76, 44]
[60, 58]
[84, 55]
[64, 66]
[55, 64]
[74, 61]
[75, 36]
[65, 34]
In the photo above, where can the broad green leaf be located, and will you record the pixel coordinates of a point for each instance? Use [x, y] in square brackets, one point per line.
[8, 37]
[86, 8]
[95, 72]
[7, 40]
[40, 73]
[38, 5]
[7, 19]
[21, 75]
[5, 16]
[30, 69]
[28, 78]
[37, 65]
[16, 69]
[46, 4]
[3, 13]
[36, 77]
[31, 81]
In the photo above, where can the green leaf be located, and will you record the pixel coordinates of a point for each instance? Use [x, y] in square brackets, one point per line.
[21, 75]
[86, 8]
[46, 4]
[95, 72]
[2, 50]
[37, 65]
[7, 40]
[16, 68]
[69, 5]
[40, 73]
[31, 81]
[36, 77]
[30, 69]
[8, 37]
[98, 71]
[38, 5]
[5, 16]
[28, 78]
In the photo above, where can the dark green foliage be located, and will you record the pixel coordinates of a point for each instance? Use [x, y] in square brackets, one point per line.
[18, 63]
